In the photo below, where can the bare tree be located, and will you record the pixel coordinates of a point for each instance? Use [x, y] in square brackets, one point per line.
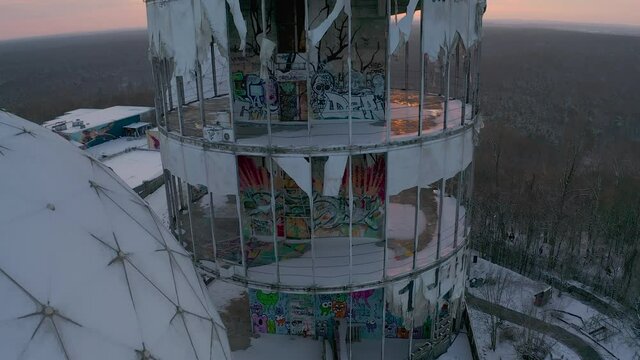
[496, 291]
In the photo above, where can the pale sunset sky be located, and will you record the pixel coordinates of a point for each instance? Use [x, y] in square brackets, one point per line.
[25, 18]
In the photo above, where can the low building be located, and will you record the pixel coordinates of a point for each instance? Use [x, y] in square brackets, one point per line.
[89, 127]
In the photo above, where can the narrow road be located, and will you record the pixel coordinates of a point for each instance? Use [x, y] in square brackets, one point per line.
[574, 342]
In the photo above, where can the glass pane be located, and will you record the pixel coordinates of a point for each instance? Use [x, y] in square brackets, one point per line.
[201, 222]
[331, 219]
[448, 231]
[365, 324]
[434, 94]
[292, 181]
[464, 221]
[405, 75]
[253, 96]
[257, 217]
[397, 322]
[425, 294]
[329, 74]
[428, 234]
[402, 231]
[369, 26]
[369, 186]
[226, 227]
[457, 86]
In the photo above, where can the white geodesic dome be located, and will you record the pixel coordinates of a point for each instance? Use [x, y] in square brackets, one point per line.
[87, 271]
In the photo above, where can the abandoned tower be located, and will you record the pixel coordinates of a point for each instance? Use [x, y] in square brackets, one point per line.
[319, 153]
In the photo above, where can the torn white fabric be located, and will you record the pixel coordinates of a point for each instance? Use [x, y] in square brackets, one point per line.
[394, 35]
[400, 30]
[316, 34]
[445, 23]
[299, 169]
[221, 170]
[267, 47]
[214, 15]
[333, 174]
[199, 167]
[403, 167]
[239, 22]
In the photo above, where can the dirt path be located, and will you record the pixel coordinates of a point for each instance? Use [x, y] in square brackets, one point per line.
[574, 342]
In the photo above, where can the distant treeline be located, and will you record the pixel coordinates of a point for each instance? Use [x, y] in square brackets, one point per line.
[42, 78]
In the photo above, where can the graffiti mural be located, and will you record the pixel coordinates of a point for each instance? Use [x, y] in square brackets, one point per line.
[254, 99]
[330, 95]
[331, 214]
[316, 315]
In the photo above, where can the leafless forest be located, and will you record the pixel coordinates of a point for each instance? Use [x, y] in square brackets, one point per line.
[557, 175]
[557, 172]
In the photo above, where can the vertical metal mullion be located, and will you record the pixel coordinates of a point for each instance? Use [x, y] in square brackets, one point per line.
[384, 320]
[213, 67]
[167, 190]
[308, 65]
[415, 227]
[267, 81]
[167, 79]
[200, 89]
[455, 229]
[350, 218]
[411, 332]
[387, 100]
[467, 72]
[189, 209]
[312, 225]
[273, 216]
[240, 221]
[386, 219]
[163, 90]
[180, 94]
[447, 88]
[440, 212]
[178, 204]
[422, 74]
[349, 77]
[212, 225]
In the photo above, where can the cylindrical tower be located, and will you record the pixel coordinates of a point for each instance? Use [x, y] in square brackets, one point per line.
[320, 154]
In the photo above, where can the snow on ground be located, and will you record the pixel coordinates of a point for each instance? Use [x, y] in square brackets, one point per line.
[117, 146]
[136, 166]
[505, 347]
[271, 346]
[623, 343]
[158, 202]
[460, 349]
[223, 293]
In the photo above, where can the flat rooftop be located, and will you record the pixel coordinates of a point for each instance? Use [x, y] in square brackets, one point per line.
[96, 117]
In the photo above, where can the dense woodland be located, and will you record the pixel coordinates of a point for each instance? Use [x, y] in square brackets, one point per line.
[557, 171]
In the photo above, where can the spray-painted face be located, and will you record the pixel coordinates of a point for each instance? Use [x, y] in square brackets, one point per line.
[322, 83]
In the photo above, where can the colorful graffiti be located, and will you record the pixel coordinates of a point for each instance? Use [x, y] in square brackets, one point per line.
[315, 315]
[254, 98]
[331, 214]
[396, 327]
[330, 95]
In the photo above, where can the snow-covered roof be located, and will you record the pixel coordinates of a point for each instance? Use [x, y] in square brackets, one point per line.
[95, 118]
[87, 271]
[137, 125]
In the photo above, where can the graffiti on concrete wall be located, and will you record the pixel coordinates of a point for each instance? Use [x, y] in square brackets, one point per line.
[316, 315]
[331, 215]
[254, 99]
[330, 95]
